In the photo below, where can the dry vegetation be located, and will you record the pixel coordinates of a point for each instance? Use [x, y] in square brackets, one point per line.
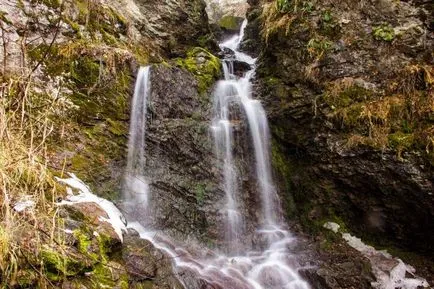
[34, 111]
[399, 120]
[24, 176]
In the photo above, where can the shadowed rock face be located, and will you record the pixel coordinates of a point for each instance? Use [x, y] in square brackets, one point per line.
[332, 163]
[184, 176]
[179, 154]
[176, 24]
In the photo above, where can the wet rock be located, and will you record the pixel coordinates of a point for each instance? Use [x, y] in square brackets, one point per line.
[240, 68]
[140, 259]
[145, 263]
[331, 161]
[226, 53]
[334, 265]
[183, 179]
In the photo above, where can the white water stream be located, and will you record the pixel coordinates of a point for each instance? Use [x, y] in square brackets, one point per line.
[273, 267]
[135, 185]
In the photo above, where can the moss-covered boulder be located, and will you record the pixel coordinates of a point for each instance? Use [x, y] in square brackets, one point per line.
[230, 24]
[203, 65]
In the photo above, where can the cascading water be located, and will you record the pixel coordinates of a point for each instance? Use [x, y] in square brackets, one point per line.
[231, 90]
[135, 184]
[269, 268]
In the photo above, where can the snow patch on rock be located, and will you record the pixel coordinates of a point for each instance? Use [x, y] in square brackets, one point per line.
[390, 272]
[115, 217]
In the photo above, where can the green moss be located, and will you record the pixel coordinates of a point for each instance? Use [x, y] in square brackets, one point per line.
[283, 6]
[58, 265]
[203, 65]
[102, 277]
[207, 40]
[339, 98]
[384, 32]
[100, 88]
[27, 278]
[51, 3]
[318, 46]
[329, 26]
[79, 162]
[83, 240]
[272, 81]
[4, 19]
[117, 128]
[283, 168]
[200, 193]
[230, 22]
[401, 141]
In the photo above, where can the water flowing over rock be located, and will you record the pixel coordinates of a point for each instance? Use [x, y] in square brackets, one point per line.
[135, 185]
[337, 97]
[267, 264]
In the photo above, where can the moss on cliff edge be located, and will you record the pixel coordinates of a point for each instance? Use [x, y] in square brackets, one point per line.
[203, 65]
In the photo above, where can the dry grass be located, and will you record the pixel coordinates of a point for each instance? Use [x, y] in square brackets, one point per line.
[274, 20]
[401, 120]
[24, 175]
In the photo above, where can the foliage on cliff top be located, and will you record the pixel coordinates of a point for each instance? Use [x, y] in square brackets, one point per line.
[387, 105]
[402, 121]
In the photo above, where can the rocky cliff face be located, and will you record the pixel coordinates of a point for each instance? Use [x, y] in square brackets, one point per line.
[218, 9]
[351, 109]
[70, 67]
[350, 105]
[83, 56]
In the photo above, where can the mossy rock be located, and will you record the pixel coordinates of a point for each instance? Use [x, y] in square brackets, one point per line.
[401, 141]
[339, 97]
[99, 86]
[109, 275]
[59, 265]
[384, 32]
[230, 23]
[203, 65]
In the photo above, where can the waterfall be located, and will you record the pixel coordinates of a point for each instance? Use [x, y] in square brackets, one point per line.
[272, 266]
[135, 185]
[228, 91]
[222, 129]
